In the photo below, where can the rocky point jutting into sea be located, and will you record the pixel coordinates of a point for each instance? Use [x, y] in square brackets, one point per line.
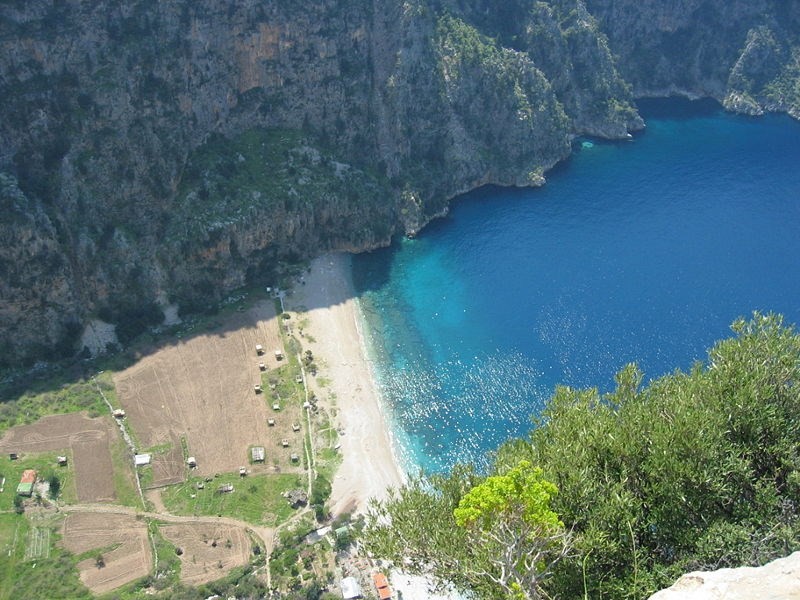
[167, 152]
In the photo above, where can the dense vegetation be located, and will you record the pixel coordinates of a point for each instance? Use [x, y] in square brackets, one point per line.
[696, 470]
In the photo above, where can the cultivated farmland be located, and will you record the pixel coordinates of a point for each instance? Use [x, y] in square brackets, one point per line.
[118, 547]
[209, 551]
[200, 392]
[88, 439]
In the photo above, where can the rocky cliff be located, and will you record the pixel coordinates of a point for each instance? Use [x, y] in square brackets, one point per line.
[777, 580]
[744, 53]
[169, 151]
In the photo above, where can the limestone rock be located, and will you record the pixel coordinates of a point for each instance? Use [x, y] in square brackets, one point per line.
[778, 580]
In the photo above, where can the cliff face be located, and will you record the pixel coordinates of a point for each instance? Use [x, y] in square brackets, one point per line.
[744, 53]
[157, 151]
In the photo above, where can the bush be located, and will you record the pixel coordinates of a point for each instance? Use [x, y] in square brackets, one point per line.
[55, 486]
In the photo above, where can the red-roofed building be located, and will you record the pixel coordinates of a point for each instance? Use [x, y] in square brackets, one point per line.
[384, 593]
[382, 585]
[25, 487]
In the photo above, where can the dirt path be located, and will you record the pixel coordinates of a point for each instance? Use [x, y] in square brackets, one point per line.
[154, 496]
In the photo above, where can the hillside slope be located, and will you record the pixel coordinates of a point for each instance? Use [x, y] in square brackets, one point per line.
[155, 152]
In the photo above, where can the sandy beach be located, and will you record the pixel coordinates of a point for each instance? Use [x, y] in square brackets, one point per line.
[326, 299]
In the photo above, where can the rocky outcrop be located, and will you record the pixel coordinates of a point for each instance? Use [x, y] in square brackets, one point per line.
[779, 579]
[744, 53]
[169, 151]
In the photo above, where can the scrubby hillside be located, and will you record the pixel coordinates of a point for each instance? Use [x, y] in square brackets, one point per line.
[156, 152]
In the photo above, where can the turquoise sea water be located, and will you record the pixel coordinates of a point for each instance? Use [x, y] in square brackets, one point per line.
[640, 251]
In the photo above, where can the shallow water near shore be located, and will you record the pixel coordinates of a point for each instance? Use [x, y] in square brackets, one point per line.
[642, 251]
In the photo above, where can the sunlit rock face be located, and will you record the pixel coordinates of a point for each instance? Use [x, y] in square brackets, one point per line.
[778, 580]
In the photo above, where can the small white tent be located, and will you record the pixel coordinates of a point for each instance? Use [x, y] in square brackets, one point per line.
[350, 588]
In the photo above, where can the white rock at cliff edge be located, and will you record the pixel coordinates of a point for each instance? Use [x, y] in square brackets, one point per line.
[778, 580]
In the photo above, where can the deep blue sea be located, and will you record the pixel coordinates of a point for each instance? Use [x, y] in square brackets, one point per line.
[641, 251]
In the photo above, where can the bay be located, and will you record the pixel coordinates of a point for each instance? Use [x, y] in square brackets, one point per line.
[642, 251]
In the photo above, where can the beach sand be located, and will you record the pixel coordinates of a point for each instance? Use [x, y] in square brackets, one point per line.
[326, 297]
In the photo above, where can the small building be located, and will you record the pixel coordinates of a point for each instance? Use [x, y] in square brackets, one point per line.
[341, 532]
[139, 460]
[61, 460]
[12, 456]
[278, 355]
[285, 443]
[295, 457]
[298, 379]
[200, 485]
[382, 585]
[25, 487]
[242, 472]
[258, 454]
[350, 588]
[226, 488]
[276, 406]
[385, 593]
[319, 534]
[259, 349]
[262, 366]
[271, 422]
[118, 413]
[296, 498]
[257, 388]
[295, 426]
[191, 462]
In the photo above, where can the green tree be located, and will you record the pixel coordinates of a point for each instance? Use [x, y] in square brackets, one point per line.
[517, 538]
[695, 470]
[55, 485]
[496, 536]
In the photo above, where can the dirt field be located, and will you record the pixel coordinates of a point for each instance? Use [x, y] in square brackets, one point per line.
[202, 389]
[122, 541]
[168, 467]
[88, 439]
[203, 560]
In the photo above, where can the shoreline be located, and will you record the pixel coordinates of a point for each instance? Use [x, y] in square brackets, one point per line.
[345, 384]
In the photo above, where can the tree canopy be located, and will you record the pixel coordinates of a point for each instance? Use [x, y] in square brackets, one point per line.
[696, 470]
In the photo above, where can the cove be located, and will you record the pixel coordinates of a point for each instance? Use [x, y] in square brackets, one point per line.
[642, 251]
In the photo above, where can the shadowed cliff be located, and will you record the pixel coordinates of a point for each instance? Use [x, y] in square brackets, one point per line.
[167, 152]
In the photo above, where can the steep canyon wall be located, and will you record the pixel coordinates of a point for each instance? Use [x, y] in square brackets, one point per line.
[169, 151]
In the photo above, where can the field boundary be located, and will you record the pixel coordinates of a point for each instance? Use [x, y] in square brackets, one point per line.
[38, 543]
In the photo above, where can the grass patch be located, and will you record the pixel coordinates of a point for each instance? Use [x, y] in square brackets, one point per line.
[169, 565]
[93, 553]
[256, 499]
[286, 387]
[328, 462]
[45, 465]
[52, 577]
[105, 381]
[68, 398]
[124, 478]
[145, 476]
[159, 449]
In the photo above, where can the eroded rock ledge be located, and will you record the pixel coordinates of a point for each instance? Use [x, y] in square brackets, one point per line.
[778, 580]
